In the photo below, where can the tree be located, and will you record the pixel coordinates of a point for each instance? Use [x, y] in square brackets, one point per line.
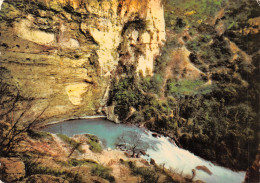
[12, 127]
[132, 142]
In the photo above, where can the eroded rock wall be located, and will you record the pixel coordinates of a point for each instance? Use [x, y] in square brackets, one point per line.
[61, 55]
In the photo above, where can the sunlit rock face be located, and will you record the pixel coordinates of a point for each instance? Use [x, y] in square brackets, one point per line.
[134, 28]
[61, 54]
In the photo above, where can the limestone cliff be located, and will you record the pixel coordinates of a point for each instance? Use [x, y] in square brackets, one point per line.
[60, 55]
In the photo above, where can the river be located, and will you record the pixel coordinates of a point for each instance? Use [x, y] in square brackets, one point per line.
[161, 149]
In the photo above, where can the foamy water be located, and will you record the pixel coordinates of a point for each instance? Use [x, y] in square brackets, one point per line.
[180, 160]
[1, 2]
[159, 148]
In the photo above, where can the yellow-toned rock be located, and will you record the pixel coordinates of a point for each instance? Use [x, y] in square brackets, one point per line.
[182, 63]
[11, 169]
[63, 55]
[75, 91]
[23, 30]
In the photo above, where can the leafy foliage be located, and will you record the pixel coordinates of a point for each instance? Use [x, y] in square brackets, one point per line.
[180, 14]
[94, 143]
[215, 117]
[187, 87]
[126, 95]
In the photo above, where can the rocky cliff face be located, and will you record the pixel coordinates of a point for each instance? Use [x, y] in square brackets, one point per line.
[59, 56]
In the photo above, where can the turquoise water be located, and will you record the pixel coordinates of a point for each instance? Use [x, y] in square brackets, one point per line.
[159, 148]
[108, 132]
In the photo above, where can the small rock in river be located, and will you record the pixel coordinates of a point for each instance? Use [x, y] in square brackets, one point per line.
[204, 168]
[155, 135]
[152, 162]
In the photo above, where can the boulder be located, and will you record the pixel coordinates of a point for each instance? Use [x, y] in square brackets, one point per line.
[204, 168]
[152, 161]
[154, 134]
[193, 174]
[252, 173]
[11, 169]
[143, 152]
[130, 113]
[127, 155]
[110, 113]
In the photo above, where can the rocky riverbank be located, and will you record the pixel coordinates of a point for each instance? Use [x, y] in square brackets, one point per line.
[56, 158]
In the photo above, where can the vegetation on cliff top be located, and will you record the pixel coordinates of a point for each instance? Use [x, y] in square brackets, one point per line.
[216, 116]
[179, 13]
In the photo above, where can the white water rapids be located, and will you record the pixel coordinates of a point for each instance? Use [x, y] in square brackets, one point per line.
[1, 2]
[180, 160]
[159, 148]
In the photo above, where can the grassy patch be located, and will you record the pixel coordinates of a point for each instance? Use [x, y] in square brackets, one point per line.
[95, 146]
[39, 134]
[179, 13]
[148, 175]
[9, 11]
[186, 87]
[73, 143]
[94, 143]
[76, 162]
[37, 168]
[103, 172]
[33, 167]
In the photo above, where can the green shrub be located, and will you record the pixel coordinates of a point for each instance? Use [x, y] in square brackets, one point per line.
[95, 146]
[92, 137]
[103, 172]
[94, 143]
[73, 143]
[185, 87]
[32, 167]
[9, 11]
[148, 175]
[76, 162]
[202, 9]
[65, 138]
[39, 134]
[125, 94]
